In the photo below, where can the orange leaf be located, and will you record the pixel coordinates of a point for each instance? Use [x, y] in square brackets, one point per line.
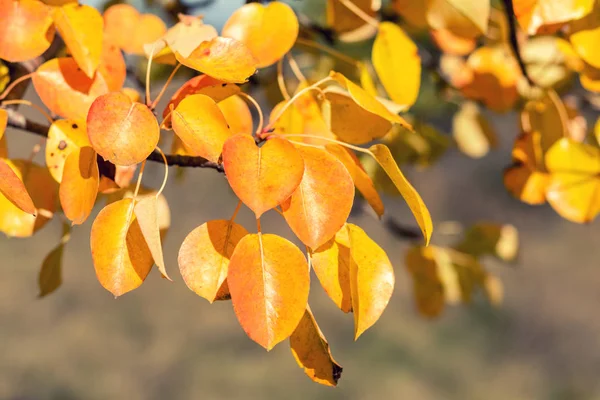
[81, 27]
[361, 179]
[331, 263]
[262, 177]
[268, 31]
[321, 204]
[237, 114]
[547, 16]
[200, 124]
[451, 43]
[112, 66]
[65, 89]
[121, 257]
[13, 188]
[121, 131]
[311, 351]
[79, 185]
[146, 212]
[3, 122]
[222, 58]
[204, 257]
[26, 30]
[130, 30]
[269, 283]
[342, 20]
[42, 190]
[202, 84]
[64, 136]
[371, 279]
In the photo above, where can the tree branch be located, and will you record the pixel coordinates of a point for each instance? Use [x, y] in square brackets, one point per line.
[19, 121]
[509, 11]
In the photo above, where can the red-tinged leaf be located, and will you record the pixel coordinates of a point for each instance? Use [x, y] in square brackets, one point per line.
[65, 89]
[202, 84]
[79, 185]
[146, 212]
[371, 279]
[269, 31]
[321, 204]
[121, 256]
[121, 131]
[331, 263]
[26, 30]
[42, 190]
[361, 179]
[262, 177]
[81, 27]
[312, 353]
[269, 282]
[200, 124]
[64, 136]
[112, 66]
[130, 30]
[204, 257]
[222, 58]
[13, 188]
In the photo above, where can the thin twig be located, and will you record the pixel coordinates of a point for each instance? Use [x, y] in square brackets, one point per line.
[512, 37]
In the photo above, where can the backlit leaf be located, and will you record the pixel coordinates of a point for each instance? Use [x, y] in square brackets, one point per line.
[321, 204]
[121, 131]
[262, 177]
[547, 16]
[200, 124]
[397, 62]
[79, 184]
[411, 196]
[472, 132]
[130, 30]
[222, 58]
[112, 66]
[43, 191]
[14, 190]
[269, 31]
[81, 27]
[237, 114]
[361, 179]
[311, 351]
[450, 43]
[371, 279]
[26, 30]
[65, 89]
[331, 263]
[574, 187]
[204, 256]
[121, 256]
[269, 283]
[147, 213]
[64, 136]
[585, 37]
[465, 18]
[366, 101]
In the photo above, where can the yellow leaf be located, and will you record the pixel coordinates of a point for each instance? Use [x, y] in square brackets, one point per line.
[14, 190]
[64, 136]
[204, 256]
[4, 78]
[79, 184]
[474, 135]
[269, 282]
[384, 157]
[397, 62]
[81, 27]
[322, 202]
[237, 114]
[200, 124]
[574, 188]
[465, 18]
[147, 213]
[311, 351]
[269, 31]
[547, 16]
[331, 263]
[119, 251]
[371, 279]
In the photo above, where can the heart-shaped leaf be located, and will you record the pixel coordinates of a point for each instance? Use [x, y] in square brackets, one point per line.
[121, 131]
[269, 283]
[262, 177]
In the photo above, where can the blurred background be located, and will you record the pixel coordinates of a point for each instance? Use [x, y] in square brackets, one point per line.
[163, 341]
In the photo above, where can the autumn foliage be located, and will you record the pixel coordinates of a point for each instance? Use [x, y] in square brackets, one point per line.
[339, 132]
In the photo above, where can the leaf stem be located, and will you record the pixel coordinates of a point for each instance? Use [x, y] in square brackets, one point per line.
[356, 148]
[148, 69]
[295, 68]
[164, 88]
[15, 83]
[30, 104]
[326, 49]
[139, 180]
[166, 172]
[281, 80]
[236, 211]
[261, 119]
[360, 13]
